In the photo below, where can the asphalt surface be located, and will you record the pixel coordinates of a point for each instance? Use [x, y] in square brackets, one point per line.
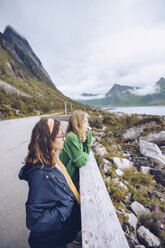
[14, 140]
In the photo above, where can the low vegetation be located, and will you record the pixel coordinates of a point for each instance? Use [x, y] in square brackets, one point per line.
[140, 187]
[43, 99]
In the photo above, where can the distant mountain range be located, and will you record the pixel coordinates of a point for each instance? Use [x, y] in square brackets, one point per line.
[121, 95]
[25, 86]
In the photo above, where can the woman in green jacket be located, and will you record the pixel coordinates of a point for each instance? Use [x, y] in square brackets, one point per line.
[77, 145]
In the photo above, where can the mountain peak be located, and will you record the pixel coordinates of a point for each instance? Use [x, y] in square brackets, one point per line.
[161, 82]
[27, 55]
[13, 36]
[9, 29]
[20, 43]
[118, 90]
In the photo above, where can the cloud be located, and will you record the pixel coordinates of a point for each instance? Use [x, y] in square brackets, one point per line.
[150, 89]
[87, 46]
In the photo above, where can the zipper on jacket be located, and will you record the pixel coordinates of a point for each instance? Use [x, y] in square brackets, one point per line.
[60, 180]
[64, 183]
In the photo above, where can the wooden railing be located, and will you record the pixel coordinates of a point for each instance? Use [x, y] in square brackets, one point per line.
[58, 117]
[100, 225]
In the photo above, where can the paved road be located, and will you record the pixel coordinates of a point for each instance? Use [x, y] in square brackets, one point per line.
[14, 139]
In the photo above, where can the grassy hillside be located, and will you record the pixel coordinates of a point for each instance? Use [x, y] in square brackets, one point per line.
[37, 93]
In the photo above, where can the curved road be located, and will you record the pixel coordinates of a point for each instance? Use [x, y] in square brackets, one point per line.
[14, 139]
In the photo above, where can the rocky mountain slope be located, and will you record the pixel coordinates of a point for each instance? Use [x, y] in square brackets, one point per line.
[120, 95]
[25, 86]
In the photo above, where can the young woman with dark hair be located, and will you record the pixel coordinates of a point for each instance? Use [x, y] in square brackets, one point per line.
[52, 207]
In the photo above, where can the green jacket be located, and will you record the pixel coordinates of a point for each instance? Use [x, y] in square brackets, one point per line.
[75, 153]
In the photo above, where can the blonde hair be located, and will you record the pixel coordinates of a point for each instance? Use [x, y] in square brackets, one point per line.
[76, 124]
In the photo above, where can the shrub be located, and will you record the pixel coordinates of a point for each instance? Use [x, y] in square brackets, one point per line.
[116, 193]
[156, 119]
[135, 177]
[129, 120]
[142, 197]
[95, 121]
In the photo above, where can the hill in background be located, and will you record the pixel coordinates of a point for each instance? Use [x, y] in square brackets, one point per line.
[25, 86]
[122, 95]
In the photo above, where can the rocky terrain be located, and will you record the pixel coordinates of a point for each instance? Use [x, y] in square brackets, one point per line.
[129, 150]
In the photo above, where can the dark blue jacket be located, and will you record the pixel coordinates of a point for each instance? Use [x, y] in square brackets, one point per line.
[52, 212]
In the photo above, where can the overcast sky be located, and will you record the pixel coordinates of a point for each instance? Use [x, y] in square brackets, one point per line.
[89, 45]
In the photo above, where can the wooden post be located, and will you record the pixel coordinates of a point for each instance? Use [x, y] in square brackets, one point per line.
[65, 109]
[71, 107]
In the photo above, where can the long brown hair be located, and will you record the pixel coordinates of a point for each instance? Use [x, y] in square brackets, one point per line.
[76, 124]
[41, 144]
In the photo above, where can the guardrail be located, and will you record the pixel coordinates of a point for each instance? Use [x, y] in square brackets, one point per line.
[59, 117]
[100, 225]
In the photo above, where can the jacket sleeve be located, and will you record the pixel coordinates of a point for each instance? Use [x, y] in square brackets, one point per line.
[75, 151]
[44, 211]
[87, 144]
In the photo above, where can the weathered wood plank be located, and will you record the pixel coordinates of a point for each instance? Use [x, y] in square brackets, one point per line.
[100, 225]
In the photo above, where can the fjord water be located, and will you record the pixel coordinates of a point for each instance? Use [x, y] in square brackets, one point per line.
[148, 110]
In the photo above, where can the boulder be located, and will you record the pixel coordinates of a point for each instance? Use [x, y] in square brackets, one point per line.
[101, 151]
[105, 161]
[122, 163]
[126, 154]
[132, 222]
[106, 165]
[138, 208]
[104, 128]
[151, 150]
[116, 180]
[119, 172]
[128, 197]
[155, 137]
[122, 185]
[143, 161]
[145, 170]
[147, 238]
[106, 168]
[159, 175]
[108, 178]
[135, 132]
[132, 241]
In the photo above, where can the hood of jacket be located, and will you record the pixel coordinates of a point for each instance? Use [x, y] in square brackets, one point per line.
[27, 169]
